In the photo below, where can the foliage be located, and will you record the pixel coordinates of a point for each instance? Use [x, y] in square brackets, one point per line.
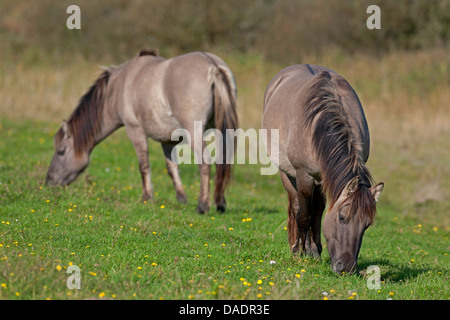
[281, 30]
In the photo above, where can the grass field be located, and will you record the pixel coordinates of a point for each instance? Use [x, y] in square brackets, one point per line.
[127, 249]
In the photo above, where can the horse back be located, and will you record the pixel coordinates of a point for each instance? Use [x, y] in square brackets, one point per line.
[161, 95]
[284, 110]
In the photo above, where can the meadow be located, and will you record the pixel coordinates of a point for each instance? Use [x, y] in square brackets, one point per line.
[127, 249]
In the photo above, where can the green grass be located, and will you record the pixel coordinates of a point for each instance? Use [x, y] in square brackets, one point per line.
[127, 249]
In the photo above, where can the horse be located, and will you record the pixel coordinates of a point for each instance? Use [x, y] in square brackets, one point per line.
[322, 151]
[152, 96]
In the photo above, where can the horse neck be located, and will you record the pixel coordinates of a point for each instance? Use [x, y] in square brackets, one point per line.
[110, 123]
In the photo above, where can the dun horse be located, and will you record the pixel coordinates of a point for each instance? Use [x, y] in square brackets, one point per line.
[152, 96]
[323, 147]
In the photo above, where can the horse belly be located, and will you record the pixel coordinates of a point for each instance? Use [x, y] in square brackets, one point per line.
[276, 148]
[160, 125]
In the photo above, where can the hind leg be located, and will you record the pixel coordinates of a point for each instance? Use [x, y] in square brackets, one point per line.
[203, 161]
[205, 171]
[293, 234]
[172, 169]
[221, 180]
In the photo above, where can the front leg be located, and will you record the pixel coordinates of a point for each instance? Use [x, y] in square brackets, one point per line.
[139, 140]
[318, 205]
[304, 215]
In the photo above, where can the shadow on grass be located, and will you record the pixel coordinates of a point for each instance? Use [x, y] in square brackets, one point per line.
[395, 272]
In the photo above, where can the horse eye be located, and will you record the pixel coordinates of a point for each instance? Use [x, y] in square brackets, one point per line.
[341, 219]
[61, 152]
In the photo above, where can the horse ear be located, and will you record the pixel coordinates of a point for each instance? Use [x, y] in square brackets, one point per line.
[376, 190]
[351, 187]
[65, 129]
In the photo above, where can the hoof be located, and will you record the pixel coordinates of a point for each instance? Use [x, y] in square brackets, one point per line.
[202, 207]
[147, 197]
[221, 206]
[181, 198]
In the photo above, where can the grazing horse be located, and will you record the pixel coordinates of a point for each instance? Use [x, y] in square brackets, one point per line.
[152, 96]
[323, 147]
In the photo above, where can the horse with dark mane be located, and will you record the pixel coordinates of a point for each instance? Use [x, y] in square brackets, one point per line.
[323, 149]
[152, 96]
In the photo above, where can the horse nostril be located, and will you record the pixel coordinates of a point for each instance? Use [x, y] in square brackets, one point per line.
[49, 180]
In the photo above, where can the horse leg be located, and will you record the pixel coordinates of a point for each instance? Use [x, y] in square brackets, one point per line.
[293, 234]
[318, 205]
[172, 169]
[304, 214]
[205, 171]
[139, 140]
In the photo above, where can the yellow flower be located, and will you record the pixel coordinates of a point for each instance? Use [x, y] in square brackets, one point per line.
[259, 281]
[297, 275]
[58, 267]
[391, 293]
[101, 295]
[4, 286]
[163, 206]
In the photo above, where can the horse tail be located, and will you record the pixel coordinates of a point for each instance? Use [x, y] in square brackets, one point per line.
[225, 117]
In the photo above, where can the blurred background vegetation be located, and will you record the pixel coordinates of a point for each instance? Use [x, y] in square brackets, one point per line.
[400, 72]
[282, 31]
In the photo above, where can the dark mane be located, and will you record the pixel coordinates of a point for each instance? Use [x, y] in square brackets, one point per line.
[151, 52]
[337, 149]
[86, 120]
